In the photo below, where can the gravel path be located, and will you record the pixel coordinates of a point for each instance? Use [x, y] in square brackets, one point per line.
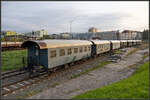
[98, 78]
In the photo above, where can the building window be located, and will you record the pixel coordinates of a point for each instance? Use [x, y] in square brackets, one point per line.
[53, 53]
[75, 50]
[80, 49]
[85, 49]
[69, 51]
[62, 52]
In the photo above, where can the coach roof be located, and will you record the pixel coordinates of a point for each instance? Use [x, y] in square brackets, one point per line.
[100, 41]
[44, 44]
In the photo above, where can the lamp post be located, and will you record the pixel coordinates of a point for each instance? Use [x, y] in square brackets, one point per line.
[71, 23]
[71, 26]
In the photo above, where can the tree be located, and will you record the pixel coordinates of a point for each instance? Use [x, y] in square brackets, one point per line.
[145, 35]
[46, 37]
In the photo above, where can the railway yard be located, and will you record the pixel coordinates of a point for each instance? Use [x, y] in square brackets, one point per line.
[94, 51]
[79, 77]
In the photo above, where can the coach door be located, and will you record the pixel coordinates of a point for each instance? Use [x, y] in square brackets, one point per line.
[93, 52]
[33, 55]
[36, 56]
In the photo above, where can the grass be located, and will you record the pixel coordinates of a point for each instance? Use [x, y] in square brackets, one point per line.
[145, 55]
[118, 52]
[91, 69]
[131, 52]
[12, 59]
[135, 86]
[54, 85]
[144, 46]
[31, 93]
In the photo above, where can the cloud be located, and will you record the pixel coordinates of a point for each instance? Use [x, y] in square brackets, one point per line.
[55, 17]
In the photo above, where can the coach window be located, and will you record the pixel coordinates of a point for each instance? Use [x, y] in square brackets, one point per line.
[100, 46]
[53, 53]
[89, 48]
[69, 51]
[36, 52]
[62, 52]
[75, 50]
[80, 49]
[105, 46]
[85, 49]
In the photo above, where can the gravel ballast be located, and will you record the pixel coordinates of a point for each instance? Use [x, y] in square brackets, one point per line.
[98, 78]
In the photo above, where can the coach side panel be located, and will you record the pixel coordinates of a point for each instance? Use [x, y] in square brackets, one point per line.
[61, 56]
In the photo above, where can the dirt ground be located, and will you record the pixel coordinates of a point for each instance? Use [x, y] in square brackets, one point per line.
[108, 74]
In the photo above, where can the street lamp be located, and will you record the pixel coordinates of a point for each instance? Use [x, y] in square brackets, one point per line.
[71, 23]
[71, 26]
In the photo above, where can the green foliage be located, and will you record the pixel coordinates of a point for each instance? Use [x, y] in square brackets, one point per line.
[136, 86]
[133, 51]
[145, 55]
[46, 37]
[118, 52]
[2, 39]
[12, 59]
[145, 35]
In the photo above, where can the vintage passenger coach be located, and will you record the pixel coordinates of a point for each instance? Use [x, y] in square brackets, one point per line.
[49, 54]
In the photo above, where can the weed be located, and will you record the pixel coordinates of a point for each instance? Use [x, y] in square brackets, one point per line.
[135, 86]
[91, 69]
[131, 52]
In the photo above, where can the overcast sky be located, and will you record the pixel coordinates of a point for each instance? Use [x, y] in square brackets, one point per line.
[25, 16]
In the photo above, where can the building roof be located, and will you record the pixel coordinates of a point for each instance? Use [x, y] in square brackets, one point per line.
[44, 44]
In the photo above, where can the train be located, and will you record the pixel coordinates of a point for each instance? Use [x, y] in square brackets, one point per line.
[7, 45]
[49, 54]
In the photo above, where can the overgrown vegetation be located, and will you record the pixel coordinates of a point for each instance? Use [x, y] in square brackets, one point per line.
[144, 46]
[132, 51]
[118, 52]
[91, 69]
[32, 92]
[12, 59]
[145, 55]
[145, 35]
[136, 86]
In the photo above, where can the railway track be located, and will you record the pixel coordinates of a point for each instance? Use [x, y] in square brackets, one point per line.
[20, 84]
[12, 73]
[62, 70]
[12, 87]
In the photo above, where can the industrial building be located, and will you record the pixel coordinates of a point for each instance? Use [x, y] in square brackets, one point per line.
[129, 34]
[93, 30]
[37, 34]
[65, 35]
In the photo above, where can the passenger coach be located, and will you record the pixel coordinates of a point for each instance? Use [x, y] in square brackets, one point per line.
[123, 43]
[115, 44]
[101, 46]
[52, 53]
